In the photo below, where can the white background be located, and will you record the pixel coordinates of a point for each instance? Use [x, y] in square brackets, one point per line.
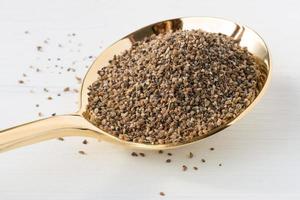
[260, 154]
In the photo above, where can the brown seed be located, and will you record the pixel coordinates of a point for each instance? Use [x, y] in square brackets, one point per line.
[75, 90]
[49, 98]
[195, 168]
[160, 151]
[173, 87]
[220, 164]
[191, 155]
[168, 160]
[21, 81]
[203, 160]
[66, 89]
[53, 114]
[79, 80]
[212, 148]
[162, 194]
[142, 154]
[39, 48]
[84, 142]
[169, 154]
[184, 168]
[40, 114]
[61, 139]
[134, 154]
[81, 152]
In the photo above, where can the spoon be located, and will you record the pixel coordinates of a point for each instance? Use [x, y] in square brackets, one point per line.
[76, 125]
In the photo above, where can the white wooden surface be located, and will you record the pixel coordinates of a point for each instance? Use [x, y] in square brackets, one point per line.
[260, 154]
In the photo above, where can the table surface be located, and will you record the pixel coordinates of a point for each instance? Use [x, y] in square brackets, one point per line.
[259, 155]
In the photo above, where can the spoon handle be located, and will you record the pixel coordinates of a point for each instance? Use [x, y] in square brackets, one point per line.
[44, 129]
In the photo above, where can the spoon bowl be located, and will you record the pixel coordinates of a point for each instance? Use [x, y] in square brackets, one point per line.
[76, 124]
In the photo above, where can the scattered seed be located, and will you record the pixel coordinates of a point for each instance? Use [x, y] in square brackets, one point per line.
[212, 148]
[61, 139]
[53, 114]
[203, 160]
[191, 155]
[82, 152]
[169, 154]
[78, 79]
[37, 105]
[84, 142]
[39, 48]
[49, 98]
[134, 154]
[67, 89]
[142, 154]
[160, 151]
[21, 81]
[168, 160]
[184, 168]
[40, 114]
[220, 164]
[162, 194]
[195, 168]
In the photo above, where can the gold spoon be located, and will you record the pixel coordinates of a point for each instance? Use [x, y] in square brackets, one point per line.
[76, 125]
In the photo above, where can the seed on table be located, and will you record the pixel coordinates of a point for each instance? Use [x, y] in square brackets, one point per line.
[21, 81]
[78, 79]
[84, 142]
[195, 168]
[203, 160]
[191, 155]
[60, 138]
[212, 148]
[134, 154]
[168, 160]
[184, 167]
[142, 154]
[39, 48]
[66, 89]
[169, 154]
[162, 194]
[160, 151]
[81, 152]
